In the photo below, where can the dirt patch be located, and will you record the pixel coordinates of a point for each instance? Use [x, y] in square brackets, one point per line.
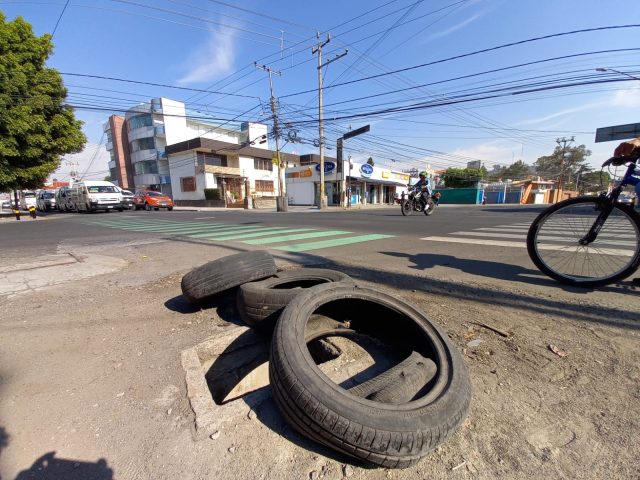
[91, 370]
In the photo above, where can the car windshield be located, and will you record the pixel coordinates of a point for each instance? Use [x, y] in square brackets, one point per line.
[101, 189]
[127, 193]
[155, 194]
[28, 194]
[49, 195]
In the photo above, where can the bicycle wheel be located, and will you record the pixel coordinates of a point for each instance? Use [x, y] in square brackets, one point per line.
[553, 243]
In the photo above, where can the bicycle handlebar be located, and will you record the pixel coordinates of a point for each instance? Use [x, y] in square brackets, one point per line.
[617, 161]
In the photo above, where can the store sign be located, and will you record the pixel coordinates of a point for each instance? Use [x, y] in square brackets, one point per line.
[328, 167]
[366, 170]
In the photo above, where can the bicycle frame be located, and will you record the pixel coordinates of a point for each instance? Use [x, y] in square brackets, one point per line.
[608, 200]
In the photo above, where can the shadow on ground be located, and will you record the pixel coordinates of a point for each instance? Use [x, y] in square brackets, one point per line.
[48, 467]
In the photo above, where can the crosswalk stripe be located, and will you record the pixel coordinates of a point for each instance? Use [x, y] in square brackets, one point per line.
[475, 241]
[238, 229]
[304, 247]
[567, 238]
[300, 236]
[254, 234]
[262, 233]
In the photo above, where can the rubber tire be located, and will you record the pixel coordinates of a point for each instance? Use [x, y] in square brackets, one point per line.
[392, 436]
[259, 300]
[533, 251]
[431, 207]
[406, 207]
[225, 273]
[169, 208]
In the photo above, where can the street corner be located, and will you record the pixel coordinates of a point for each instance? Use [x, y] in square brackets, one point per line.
[50, 270]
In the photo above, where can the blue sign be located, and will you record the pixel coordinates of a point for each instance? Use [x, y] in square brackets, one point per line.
[328, 167]
[366, 170]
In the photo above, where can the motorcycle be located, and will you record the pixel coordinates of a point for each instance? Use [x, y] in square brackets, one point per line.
[412, 202]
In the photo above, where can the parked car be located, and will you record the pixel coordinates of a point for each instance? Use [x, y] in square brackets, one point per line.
[46, 200]
[6, 205]
[90, 196]
[63, 197]
[148, 199]
[127, 199]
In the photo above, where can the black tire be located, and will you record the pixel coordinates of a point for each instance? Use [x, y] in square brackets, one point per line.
[392, 436]
[552, 243]
[260, 300]
[219, 275]
[431, 206]
[407, 207]
[169, 208]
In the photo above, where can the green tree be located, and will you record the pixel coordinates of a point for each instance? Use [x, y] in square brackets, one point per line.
[518, 170]
[593, 182]
[370, 161]
[463, 177]
[563, 164]
[36, 128]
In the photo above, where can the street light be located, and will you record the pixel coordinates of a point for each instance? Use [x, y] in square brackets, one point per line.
[602, 69]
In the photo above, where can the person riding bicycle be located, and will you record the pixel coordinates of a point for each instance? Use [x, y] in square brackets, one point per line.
[630, 148]
[423, 185]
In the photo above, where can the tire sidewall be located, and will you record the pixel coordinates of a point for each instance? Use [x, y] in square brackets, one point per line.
[424, 413]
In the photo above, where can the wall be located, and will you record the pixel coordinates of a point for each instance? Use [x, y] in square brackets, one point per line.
[300, 193]
[468, 196]
[184, 165]
[175, 121]
[247, 168]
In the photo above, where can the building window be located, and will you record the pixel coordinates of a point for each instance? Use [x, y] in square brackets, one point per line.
[109, 136]
[147, 143]
[263, 164]
[139, 121]
[264, 186]
[145, 166]
[211, 159]
[188, 184]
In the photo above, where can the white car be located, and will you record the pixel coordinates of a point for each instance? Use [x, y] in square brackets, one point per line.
[46, 200]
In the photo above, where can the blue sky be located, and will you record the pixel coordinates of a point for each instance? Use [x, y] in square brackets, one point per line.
[435, 116]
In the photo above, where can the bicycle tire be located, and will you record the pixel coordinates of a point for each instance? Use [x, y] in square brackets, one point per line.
[552, 243]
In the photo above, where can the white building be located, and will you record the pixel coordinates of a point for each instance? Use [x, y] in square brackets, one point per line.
[234, 170]
[137, 142]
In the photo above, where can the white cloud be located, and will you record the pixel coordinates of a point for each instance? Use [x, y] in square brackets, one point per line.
[629, 98]
[492, 152]
[92, 163]
[561, 113]
[454, 28]
[212, 60]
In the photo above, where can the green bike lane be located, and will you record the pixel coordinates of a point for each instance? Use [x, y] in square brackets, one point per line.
[284, 238]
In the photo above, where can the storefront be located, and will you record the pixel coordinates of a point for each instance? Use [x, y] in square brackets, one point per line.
[362, 184]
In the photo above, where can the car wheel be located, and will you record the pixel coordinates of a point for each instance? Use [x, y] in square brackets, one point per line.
[227, 272]
[156, 208]
[169, 208]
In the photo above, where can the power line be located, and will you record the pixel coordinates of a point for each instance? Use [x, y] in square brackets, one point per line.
[59, 18]
[464, 55]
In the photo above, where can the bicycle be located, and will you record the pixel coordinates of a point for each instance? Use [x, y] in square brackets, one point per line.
[589, 241]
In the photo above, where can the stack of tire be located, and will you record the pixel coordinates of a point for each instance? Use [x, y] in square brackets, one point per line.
[392, 420]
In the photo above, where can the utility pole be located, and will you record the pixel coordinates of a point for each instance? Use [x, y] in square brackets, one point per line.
[318, 49]
[281, 200]
[563, 141]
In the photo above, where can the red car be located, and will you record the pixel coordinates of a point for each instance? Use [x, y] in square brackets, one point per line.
[148, 199]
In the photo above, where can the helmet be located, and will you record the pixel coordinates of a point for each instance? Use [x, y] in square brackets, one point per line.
[423, 174]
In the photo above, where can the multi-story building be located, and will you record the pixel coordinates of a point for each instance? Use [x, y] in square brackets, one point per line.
[137, 142]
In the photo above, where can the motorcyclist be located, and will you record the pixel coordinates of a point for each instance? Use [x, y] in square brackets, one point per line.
[423, 185]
